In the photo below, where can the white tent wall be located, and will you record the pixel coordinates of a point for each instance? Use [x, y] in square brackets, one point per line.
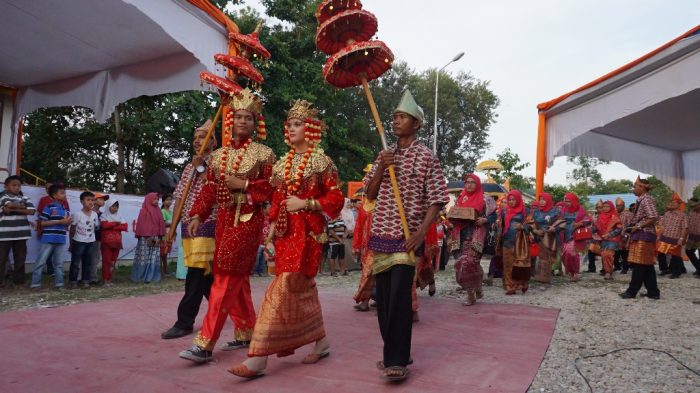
[98, 54]
[645, 117]
[666, 165]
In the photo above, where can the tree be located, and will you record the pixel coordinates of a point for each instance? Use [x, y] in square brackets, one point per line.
[557, 191]
[585, 178]
[148, 133]
[615, 186]
[512, 167]
[155, 132]
[661, 192]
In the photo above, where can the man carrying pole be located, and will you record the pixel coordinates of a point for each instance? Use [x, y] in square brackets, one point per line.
[238, 182]
[198, 247]
[423, 191]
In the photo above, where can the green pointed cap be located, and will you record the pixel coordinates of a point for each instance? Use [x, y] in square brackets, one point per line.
[408, 105]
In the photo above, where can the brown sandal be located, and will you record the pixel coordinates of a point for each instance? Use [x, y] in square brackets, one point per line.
[241, 370]
[380, 363]
[314, 358]
[398, 377]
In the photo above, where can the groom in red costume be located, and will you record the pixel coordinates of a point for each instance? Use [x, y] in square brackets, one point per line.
[238, 183]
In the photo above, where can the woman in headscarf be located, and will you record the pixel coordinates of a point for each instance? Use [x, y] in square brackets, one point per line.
[546, 221]
[576, 217]
[150, 227]
[471, 234]
[608, 231]
[516, 258]
[112, 225]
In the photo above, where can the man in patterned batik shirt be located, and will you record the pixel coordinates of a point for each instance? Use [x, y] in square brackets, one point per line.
[642, 249]
[197, 248]
[423, 190]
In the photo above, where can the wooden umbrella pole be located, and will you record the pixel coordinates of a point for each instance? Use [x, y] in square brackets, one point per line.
[177, 213]
[392, 173]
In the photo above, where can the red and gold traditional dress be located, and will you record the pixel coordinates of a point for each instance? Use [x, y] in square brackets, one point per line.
[359, 245]
[290, 314]
[239, 223]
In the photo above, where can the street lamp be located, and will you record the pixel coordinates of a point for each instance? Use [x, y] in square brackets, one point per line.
[437, 80]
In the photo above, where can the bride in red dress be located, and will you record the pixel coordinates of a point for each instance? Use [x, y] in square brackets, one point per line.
[305, 190]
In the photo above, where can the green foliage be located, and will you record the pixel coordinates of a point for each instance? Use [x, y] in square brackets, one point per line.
[585, 178]
[466, 111]
[156, 131]
[661, 193]
[557, 191]
[68, 144]
[512, 166]
[615, 186]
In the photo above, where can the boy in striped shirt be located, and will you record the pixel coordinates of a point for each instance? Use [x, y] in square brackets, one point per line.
[55, 220]
[14, 228]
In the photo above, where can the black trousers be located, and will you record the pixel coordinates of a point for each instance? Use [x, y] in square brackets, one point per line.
[676, 266]
[19, 254]
[395, 314]
[591, 262]
[444, 255]
[693, 257]
[620, 261]
[197, 286]
[643, 274]
[663, 262]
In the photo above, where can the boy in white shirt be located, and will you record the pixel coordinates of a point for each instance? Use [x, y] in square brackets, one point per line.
[85, 223]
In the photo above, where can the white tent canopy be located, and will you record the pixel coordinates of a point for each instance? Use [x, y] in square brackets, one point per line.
[646, 116]
[97, 54]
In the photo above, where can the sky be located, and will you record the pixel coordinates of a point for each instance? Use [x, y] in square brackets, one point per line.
[530, 51]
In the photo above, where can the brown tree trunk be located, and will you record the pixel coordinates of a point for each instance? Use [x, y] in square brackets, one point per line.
[121, 170]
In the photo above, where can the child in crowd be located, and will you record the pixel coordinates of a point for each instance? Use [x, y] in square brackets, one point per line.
[112, 225]
[54, 219]
[164, 247]
[96, 257]
[85, 223]
[14, 228]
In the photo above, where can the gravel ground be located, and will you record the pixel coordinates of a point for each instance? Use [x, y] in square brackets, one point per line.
[594, 320]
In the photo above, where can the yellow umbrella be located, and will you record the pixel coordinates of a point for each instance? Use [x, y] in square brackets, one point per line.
[489, 165]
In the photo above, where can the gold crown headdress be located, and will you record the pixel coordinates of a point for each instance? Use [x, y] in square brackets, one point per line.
[248, 101]
[314, 127]
[302, 109]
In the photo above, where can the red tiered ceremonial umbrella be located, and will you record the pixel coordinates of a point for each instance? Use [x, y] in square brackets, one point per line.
[249, 44]
[355, 64]
[226, 87]
[345, 28]
[239, 65]
[366, 60]
[328, 8]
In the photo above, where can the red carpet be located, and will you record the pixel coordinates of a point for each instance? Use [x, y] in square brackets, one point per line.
[115, 346]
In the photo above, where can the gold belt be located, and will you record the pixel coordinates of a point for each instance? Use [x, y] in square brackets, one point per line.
[321, 238]
[239, 197]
